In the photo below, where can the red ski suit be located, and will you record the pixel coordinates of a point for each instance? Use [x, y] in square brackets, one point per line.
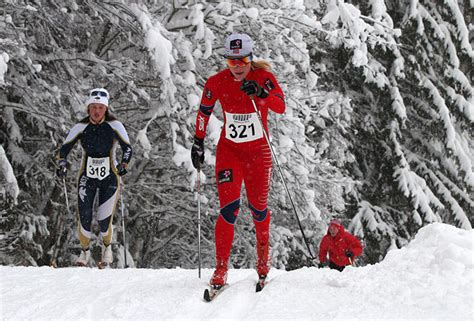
[242, 155]
[337, 246]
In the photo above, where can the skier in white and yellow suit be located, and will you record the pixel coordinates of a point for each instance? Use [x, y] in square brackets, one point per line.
[99, 133]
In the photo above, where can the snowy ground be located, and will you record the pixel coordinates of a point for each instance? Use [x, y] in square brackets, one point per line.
[430, 279]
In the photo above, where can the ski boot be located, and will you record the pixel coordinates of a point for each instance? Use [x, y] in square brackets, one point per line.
[217, 283]
[107, 257]
[84, 258]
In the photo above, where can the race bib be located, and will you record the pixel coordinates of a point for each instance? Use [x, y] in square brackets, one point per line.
[241, 128]
[98, 167]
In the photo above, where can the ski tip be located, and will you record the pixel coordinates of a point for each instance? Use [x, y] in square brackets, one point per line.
[212, 292]
[207, 296]
[260, 283]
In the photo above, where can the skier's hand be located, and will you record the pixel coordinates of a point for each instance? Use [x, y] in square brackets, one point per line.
[349, 254]
[61, 171]
[122, 169]
[197, 153]
[251, 88]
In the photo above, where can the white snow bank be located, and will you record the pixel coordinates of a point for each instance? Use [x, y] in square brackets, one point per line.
[430, 279]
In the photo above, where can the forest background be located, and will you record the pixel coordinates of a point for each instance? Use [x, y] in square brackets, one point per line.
[378, 130]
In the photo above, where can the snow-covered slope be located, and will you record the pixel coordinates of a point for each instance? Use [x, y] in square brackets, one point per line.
[431, 279]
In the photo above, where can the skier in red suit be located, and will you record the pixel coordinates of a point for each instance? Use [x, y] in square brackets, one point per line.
[341, 246]
[243, 154]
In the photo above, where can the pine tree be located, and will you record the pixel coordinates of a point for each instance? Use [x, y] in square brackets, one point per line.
[412, 117]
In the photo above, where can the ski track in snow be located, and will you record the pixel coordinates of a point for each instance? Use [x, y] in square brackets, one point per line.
[430, 279]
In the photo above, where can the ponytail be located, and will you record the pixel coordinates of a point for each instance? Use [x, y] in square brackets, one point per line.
[261, 64]
[109, 116]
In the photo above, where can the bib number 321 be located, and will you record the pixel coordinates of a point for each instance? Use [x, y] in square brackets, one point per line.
[98, 167]
[241, 128]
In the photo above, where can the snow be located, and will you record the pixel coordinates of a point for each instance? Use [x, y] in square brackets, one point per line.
[142, 138]
[432, 278]
[332, 15]
[252, 13]
[462, 32]
[11, 185]
[158, 46]
[28, 7]
[397, 104]
[4, 58]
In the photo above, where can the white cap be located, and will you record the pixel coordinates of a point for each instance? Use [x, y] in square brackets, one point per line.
[238, 45]
[98, 96]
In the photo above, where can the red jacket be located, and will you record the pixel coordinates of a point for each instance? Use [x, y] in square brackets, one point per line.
[236, 104]
[337, 246]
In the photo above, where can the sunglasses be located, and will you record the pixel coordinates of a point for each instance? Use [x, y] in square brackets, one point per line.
[99, 93]
[239, 62]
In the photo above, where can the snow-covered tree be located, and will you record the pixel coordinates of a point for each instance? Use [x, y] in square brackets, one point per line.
[377, 132]
[405, 67]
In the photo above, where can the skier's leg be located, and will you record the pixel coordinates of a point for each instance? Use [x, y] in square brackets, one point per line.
[262, 231]
[108, 196]
[86, 193]
[257, 184]
[229, 182]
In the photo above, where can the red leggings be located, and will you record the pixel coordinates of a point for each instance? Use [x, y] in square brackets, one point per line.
[252, 166]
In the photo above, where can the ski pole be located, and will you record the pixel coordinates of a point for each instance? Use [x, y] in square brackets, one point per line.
[60, 228]
[123, 229]
[351, 261]
[281, 174]
[199, 219]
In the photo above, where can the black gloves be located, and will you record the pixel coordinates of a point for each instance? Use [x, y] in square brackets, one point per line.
[349, 254]
[121, 170]
[197, 153]
[62, 168]
[251, 88]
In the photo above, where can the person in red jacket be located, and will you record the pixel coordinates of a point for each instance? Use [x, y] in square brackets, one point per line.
[342, 247]
[243, 154]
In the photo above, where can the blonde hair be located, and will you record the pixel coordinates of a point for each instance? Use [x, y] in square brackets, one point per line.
[261, 64]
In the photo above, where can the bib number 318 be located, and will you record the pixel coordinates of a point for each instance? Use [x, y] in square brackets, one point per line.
[98, 167]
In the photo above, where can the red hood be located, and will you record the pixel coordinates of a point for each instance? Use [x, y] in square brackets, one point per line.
[339, 227]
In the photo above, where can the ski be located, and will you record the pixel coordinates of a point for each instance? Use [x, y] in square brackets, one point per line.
[100, 265]
[260, 283]
[211, 293]
[103, 265]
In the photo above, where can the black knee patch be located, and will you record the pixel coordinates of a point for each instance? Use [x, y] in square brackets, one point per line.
[228, 211]
[258, 216]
